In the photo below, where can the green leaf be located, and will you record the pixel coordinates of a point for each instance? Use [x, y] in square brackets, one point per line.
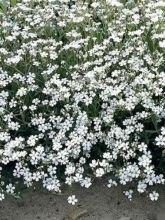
[13, 2]
[151, 131]
[155, 122]
[3, 6]
[17, 195]
[149, 40]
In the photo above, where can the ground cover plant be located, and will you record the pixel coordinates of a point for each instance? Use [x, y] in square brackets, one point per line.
[82, 94]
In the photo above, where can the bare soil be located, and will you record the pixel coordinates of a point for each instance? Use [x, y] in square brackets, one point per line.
[96, 203]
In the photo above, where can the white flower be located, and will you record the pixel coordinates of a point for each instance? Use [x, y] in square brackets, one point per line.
[95, 4]
[72, 200]
[128, 194]
[154, 196]
[114, 3]
[100, 172]
[144, 161]
[10, 188]
[13, 125]
[21, 92]
[2, 196]
[162, 44]
[111, 183]
[86, 182]
[32, 140]
[141, 187]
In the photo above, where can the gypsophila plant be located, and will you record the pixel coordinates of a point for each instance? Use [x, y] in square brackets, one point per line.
[82, 94]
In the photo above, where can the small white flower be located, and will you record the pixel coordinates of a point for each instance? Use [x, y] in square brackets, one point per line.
[114, 3]
[154, 196]
[128, 194]
[100, 172]
[72, 200]
[111, 183]
[162, 44]
[10, 188]
[2, 196]
[95, 4]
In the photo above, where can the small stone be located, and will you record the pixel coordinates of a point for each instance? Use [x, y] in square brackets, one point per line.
[76, 213]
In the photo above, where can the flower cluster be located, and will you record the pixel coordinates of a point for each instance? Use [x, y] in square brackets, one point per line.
[82, 87]
[160, 140]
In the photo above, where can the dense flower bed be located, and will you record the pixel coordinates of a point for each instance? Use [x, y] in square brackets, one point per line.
[82, 93]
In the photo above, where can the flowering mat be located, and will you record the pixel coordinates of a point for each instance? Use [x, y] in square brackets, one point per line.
[82, 95]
